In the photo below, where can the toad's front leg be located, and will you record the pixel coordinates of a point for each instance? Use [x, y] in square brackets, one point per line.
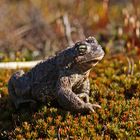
[68, 100]
[84, 90]
[84, 96]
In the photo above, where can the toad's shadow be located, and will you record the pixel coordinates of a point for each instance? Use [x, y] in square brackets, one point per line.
[10, 117]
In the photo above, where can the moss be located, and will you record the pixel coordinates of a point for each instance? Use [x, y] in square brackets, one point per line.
[118, 118]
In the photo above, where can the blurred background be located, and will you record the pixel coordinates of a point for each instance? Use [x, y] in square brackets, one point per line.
[35, 29]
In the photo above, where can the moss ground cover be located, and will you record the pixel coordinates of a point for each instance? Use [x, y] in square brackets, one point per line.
[111, 86]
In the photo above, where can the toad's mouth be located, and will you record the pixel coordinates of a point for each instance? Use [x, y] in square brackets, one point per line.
[95, 60]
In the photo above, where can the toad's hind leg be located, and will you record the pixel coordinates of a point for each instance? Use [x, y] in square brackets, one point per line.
[11, 87]
[15, 89]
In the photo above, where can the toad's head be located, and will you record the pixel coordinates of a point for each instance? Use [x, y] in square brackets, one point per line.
[89, 52]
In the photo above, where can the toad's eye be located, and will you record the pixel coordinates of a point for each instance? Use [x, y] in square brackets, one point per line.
[82, 49]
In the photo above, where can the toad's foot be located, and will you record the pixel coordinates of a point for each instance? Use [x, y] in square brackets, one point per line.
[91, 106]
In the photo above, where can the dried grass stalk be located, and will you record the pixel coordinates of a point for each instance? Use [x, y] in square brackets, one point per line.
[18, 65]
